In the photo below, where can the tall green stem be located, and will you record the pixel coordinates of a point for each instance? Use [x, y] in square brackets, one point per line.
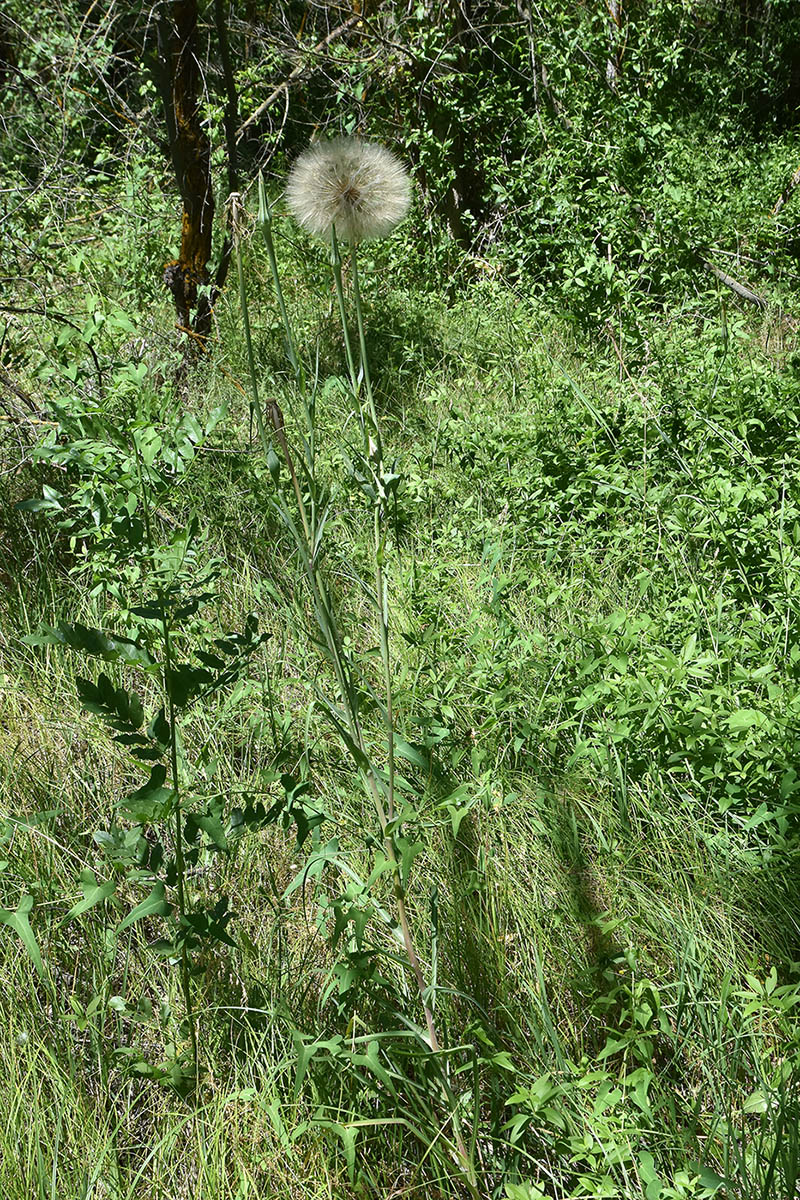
[373, 449]
[374, 455]
[362, 345]
[251, 362]
[265, 221]
[180, 865]
[324, 608]
[336, 266]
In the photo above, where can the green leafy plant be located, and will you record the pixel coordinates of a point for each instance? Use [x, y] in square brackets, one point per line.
[117, 478]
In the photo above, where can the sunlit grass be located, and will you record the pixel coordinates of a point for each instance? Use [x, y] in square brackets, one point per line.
[588, 917]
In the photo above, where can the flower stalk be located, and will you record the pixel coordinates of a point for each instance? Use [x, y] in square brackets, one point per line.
[349, 190]
[180, 863]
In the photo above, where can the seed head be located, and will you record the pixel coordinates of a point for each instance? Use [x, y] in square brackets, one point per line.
[358, 187]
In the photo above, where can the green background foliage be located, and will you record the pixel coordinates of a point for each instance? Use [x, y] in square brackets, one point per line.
[592, 565]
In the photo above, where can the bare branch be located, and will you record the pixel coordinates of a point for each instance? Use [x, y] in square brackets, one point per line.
[786, 193]
[733, 284]
[296, 73]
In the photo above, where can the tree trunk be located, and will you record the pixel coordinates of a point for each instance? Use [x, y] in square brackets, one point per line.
[7, 57]
[615, 44]
[205, 308]
[190, 150]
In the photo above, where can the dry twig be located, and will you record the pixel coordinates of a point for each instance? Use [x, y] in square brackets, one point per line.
[296, 73]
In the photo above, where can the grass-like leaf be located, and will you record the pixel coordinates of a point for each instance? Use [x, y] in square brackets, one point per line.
[19, 922]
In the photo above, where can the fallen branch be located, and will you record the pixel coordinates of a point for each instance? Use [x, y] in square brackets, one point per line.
[787, 192]
[296, 73]
[558, 107]
[733, 284]
[200, 338]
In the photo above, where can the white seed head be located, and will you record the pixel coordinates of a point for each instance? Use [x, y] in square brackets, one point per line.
[358, 187]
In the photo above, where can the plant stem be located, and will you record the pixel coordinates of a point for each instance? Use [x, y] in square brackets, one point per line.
[180, 865]
[324, 607]
[255, 404]
[374, 454]
[362, 345]
[277, 416]
[316, 583]
[265, 221]
[336, 265]
[379, 536]
[373, 449]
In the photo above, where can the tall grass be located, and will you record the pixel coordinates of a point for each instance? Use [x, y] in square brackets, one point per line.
[607, 871]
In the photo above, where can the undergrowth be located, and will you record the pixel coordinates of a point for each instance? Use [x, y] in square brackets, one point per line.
[592, 541]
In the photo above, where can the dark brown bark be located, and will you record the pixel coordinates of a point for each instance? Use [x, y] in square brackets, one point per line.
[8, 59]
[746, 293]
[190, 150]
[205, 308]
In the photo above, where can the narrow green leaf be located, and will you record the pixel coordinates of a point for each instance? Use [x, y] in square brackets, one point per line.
[18, 921]
[93, 893]
[153, 905]
[38, 505]
[408, 852]
[410, 753]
